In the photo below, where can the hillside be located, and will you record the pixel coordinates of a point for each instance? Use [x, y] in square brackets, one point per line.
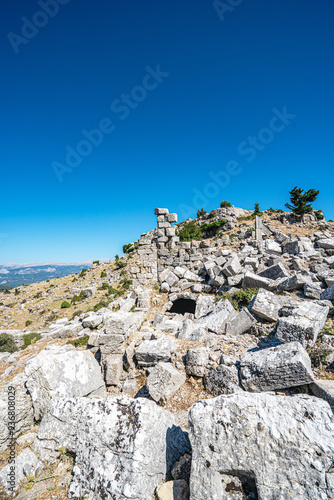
[181, 369]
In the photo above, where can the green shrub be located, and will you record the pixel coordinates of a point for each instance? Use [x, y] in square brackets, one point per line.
[217, 223]
[28, 322]
[331, 313]
[128, 248]
[78, 298]
[243, 297]
[7, 343]
[17, 292]
[126, 283]
[319, 215]
[211, 215]
[123, 273]
[201, 212]
[103, 274]
[101, 305]
[190, 231]
[30, 338]
[80, 342]
[65, 305]
[225, 204]
[83, 273]
[74, 280]
[323, 228]
[97, 262]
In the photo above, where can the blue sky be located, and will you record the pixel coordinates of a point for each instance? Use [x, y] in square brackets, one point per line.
[185, 92]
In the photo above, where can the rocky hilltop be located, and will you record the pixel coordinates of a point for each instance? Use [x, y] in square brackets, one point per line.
[198, 366]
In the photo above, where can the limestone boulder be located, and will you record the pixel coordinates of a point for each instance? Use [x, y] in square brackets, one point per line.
[267, 446]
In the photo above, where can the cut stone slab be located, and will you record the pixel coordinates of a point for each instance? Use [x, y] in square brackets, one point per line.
[23, 410]
[304, 323]
[151, 352]
[173, 490]
[124, 448]
[123, 323]
[168, 277]
[241, 323]
[61, 371]
[232, 266]
[267, 305]
[108, 343]
[280, 447]
[292, 247]
[272, 246]
[222, 380]
[204, 305]
[312, 291]
[197, 361]
[274, 272]
[326, 243]
[252, 280]
[164, 381]
[324, 389]
[278, 367]
[92, 321]
[296, 282]
[217, 319]
[26, 465]
[191, 331]
[112, 367]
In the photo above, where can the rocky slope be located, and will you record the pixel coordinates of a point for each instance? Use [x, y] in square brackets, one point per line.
[199, 369]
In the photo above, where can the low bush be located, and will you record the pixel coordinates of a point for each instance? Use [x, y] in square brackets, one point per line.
[103, 274]
[7, 343]
[80, 342]
[28, 322]
[78, 298]
[30, 338]
[225, 204]
[83, 273]
[65, 305]
[77, 313]
[243, 297]
[213, 225]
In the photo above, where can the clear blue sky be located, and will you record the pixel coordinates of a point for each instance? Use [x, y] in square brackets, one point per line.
[215, 79]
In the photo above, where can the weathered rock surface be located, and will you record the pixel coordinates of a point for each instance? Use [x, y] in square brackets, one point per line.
[217, 319]
[241, 323]
[25, 466]
[173, 490]
[303, 323]
[124, 447]
[222, 380]
[279, 367]
[274, 446]
[267, 305]
[61, 371]
[197, 361]
[164, 381]
[151, 352]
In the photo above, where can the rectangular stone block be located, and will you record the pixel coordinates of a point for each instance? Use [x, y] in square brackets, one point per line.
[279, 367]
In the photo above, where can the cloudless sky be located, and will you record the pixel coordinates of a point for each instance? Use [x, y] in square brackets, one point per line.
[227, 73]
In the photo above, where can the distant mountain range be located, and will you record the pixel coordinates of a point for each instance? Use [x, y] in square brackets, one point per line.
[14, 275]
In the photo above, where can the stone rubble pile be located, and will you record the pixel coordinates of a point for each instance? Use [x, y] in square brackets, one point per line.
[238, 320]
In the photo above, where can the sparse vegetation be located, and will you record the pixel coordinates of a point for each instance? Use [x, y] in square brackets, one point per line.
[27, 323]
[103, 274]
[97, 262]
[213, 225]
[83, 273]
[78, 298]
[129, 248]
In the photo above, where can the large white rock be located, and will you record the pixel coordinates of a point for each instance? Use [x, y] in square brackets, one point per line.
[123, 323]
[61, 371]
[124, 447]
[281, 446]
[151, 352]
